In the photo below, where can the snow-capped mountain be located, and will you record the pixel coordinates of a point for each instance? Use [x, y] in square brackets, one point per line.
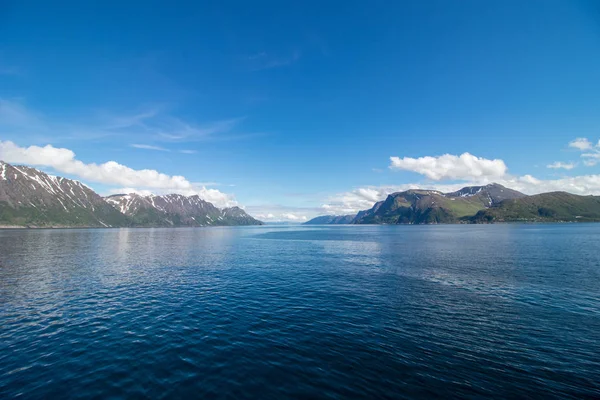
[177, 210]
[493, 193]
[30, 197]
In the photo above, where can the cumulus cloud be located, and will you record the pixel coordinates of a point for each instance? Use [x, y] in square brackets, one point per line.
[561, 165]
[110, 173]
[451, 167]
[581, 144]
[293, 217]
[364, 198]
[582, 185]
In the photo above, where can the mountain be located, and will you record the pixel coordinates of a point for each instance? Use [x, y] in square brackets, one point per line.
[545, 207]
[29, 197]
[331, 220]
[177, 210]
[494, 192]
[32, 198]
[431, 206]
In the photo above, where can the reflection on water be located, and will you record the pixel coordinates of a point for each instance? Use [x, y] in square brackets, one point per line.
[273, 312]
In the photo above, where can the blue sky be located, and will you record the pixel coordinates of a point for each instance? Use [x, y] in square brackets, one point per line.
[286, 108]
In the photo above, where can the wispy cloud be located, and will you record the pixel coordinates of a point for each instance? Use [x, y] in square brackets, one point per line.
[177, 130]
[10, 70]
[148, 147]
[131, 120]
[152, 124]
[170, 136]
[188, 151]
[13, 113]
[264, 60]
[561, 165]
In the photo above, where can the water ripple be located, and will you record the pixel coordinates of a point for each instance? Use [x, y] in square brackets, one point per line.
[329, 312]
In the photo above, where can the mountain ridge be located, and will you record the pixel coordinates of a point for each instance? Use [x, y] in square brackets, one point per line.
[177, 210]
[31, 198]
[417, 206]
[479, 204]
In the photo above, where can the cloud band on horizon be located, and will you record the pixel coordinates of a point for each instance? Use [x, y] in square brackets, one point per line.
[111, 172]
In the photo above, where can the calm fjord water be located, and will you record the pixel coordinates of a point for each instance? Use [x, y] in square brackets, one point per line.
[314, 312]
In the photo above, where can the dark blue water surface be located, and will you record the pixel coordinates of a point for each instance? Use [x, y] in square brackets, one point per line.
[301, 312]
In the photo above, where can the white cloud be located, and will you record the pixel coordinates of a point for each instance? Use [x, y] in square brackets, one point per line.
[582, 185]
[293, 217]
[581, 144]
[188, 151]
[282, 213]
[129, 191]
[592, 155]
[265, 216]
[561, 165]
[148, 147]
[449, 167]
[284, 217]
[364, 198]
[110, 173]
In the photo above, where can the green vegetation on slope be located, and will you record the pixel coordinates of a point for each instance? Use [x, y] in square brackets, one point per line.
[480, 204]
[546, 207]
[422, 207]
[58, 216]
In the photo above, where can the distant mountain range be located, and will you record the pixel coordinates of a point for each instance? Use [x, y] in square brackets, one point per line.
[177, 210]
[331, 220]
[30, 197]
[474, 204]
